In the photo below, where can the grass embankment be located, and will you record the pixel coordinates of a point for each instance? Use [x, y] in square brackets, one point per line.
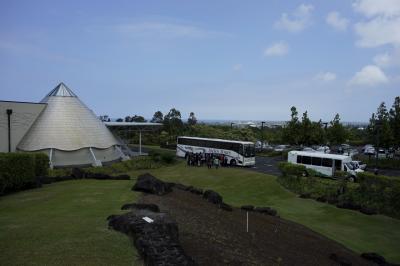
[65, 224]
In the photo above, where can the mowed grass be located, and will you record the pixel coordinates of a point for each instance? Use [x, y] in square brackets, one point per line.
[65, 224]
[354, 230]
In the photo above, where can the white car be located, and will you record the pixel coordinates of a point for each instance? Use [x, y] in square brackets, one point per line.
[369, 150]
[280, 148]
[308, 149]
[359, 165]
[323, 149]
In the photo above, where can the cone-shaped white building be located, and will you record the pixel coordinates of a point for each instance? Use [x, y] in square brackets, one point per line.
[70, 133]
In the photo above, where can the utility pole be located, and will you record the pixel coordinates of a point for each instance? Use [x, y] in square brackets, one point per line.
[9, 112]
[378, 124]
[326, 132]
[262, 134]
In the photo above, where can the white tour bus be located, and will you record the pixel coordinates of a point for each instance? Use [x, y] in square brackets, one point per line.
[237, 152]
[325, 163]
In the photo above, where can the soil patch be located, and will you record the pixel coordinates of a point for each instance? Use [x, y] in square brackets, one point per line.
[214, 236]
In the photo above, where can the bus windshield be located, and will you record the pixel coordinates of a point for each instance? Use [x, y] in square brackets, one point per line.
[249, 150]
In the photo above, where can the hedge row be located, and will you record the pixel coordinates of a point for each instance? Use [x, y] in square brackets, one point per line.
[371, 194]
[20, 170]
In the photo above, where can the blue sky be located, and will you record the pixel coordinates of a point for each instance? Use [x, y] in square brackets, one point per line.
[219, 59]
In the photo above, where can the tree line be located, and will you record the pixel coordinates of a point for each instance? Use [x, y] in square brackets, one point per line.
[384, 127]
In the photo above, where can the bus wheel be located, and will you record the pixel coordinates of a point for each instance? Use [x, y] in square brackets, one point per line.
[352, 179]
[233, 162]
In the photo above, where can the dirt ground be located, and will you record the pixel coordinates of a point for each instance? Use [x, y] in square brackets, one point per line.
[212, 236]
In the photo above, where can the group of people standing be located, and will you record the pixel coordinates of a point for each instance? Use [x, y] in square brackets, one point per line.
[211, 159]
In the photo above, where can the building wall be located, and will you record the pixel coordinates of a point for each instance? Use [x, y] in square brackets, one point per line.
[82, 157]
[22, 117]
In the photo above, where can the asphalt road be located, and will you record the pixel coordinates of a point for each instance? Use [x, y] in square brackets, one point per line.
[267, 165]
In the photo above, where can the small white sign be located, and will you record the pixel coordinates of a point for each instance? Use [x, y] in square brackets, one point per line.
[148, 219]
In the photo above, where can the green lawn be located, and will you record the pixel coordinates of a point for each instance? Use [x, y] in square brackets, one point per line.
[65, 224]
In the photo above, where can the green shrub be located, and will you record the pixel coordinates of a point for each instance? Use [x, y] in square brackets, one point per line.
[162, 156]
[291, 169]
[17, 170]
[41, 164]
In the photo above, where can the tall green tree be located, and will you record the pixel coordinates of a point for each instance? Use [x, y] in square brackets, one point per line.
[173, 122]
[383, 126]
[394, 121]
[336, 132]
[379, 129]
[158, 117]
[306, 130]
[192, 120]
[138, 118]
[291, 130]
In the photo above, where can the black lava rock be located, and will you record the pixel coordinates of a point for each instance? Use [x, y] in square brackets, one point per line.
[225, 207]
[157, 241]
[368, 211]
[150, 184]
[197, 191]
[348, 205]
[305, 195]
[266, 210]
[321, 199]
[342, 261]
[141, 206]
[180, 186]
[378, 259]
[247, 207]
[212, 196]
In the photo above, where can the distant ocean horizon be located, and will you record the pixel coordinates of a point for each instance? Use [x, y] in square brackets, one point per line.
[267, 122]
[257, 123]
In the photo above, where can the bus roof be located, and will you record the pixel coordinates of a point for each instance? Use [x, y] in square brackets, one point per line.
[223, 140]
[321, 155]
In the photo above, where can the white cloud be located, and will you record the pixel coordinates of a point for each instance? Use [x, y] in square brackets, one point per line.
[370, 8]
[338, 22]
[378, 31]
[297, 21]
[277, 49]
[382, 26]
[237, 67]
[382, 60]
[369, 76]
[388, 59]
[325, 76]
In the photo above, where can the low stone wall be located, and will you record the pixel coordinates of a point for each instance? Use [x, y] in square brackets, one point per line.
[157, 239]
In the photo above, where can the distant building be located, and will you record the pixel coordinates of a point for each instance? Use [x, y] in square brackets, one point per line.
[60, 126]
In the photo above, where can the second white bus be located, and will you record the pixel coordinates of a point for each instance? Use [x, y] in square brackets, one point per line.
[325, 163]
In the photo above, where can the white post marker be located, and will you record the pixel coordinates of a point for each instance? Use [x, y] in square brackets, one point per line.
[247, 222]
[148, 219]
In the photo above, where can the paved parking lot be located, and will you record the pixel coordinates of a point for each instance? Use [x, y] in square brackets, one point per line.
[267, 165]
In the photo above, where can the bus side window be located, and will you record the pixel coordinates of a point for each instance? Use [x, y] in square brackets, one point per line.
[298, 158]
[306, 160]
[338, 165]
[316, 161]
[327, 162]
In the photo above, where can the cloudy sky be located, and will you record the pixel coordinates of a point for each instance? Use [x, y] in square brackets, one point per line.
[219, 59]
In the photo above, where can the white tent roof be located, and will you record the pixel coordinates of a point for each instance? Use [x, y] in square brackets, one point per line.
[66, 124]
